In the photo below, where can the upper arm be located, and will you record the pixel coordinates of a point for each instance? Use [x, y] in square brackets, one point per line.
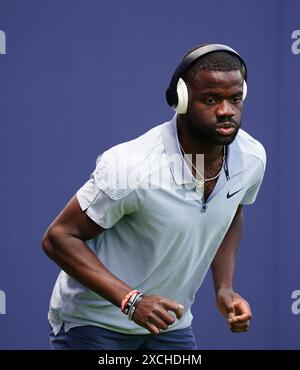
[97, 205]
[239, 211]
[235, 229]
[238, 218]
[74, 222]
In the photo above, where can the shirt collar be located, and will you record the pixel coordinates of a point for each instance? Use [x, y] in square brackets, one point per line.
[179, 169]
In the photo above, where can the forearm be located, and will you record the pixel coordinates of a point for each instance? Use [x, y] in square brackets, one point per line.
[223, 265]
[78, 261]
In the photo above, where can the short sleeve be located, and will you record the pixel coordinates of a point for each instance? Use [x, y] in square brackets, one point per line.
[251, 193]
[93, 198]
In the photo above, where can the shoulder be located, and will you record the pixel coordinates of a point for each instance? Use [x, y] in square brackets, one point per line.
[143, 143]
[250, 147]
[120, 169]
[135, 151]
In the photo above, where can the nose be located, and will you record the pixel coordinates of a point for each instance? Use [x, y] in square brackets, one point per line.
[225, 108]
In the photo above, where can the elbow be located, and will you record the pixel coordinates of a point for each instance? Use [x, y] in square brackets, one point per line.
[46, 245]
[49, 241]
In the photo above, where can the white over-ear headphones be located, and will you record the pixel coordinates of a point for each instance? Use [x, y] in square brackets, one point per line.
[177, 92]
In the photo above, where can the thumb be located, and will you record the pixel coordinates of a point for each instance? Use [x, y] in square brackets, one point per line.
[181, 307]
[179, 311]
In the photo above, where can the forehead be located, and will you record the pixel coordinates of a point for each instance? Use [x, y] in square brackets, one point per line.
[206, 79]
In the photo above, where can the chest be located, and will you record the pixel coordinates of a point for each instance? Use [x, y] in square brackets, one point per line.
[208, 188]
[210, 171]
[178, 211]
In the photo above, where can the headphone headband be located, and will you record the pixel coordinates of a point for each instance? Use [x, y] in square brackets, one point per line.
[188, 60]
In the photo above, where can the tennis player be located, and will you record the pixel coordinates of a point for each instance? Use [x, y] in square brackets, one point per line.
[136, 240]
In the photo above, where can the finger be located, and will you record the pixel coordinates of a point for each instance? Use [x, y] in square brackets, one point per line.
[240, 318]
[161, 324]
[177, 308]
[180, 311]
[151, 327]
[242, 308]
[244, 325]
[165, 316]
[230, 316]
[236, 330]
[157, 321]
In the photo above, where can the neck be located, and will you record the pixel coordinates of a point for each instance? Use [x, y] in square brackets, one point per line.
[195, 145]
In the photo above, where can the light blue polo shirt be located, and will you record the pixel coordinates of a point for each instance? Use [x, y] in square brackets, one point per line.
[157, 237]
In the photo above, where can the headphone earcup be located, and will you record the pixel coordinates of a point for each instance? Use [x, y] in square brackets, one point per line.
[245, 89]
[183, 97]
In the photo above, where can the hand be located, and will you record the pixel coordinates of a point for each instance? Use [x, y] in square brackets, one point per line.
[235, 308]
[152, 313]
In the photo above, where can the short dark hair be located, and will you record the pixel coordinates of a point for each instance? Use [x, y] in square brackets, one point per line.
[214, 61]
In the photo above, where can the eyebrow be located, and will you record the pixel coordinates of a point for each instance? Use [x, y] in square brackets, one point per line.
[213, 93]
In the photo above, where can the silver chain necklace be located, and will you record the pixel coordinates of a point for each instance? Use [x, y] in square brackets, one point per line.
[201, 183]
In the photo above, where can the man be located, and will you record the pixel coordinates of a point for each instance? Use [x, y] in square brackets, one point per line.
[137, 239]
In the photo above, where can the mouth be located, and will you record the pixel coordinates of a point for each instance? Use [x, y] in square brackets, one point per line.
[225, 128]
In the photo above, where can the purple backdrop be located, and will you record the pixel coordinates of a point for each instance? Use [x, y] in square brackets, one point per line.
[80, 76]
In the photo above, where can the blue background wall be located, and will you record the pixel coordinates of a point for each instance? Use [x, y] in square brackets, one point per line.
[81, 76]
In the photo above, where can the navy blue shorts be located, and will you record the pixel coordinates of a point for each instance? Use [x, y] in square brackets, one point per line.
[96, 338]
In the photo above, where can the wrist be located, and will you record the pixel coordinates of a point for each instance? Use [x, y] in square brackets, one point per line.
[224, 289]
[134, 306]
[128, 299]
[130, 302]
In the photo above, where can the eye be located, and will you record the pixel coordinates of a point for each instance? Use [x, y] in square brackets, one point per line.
[210, 100]
[236, 99]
